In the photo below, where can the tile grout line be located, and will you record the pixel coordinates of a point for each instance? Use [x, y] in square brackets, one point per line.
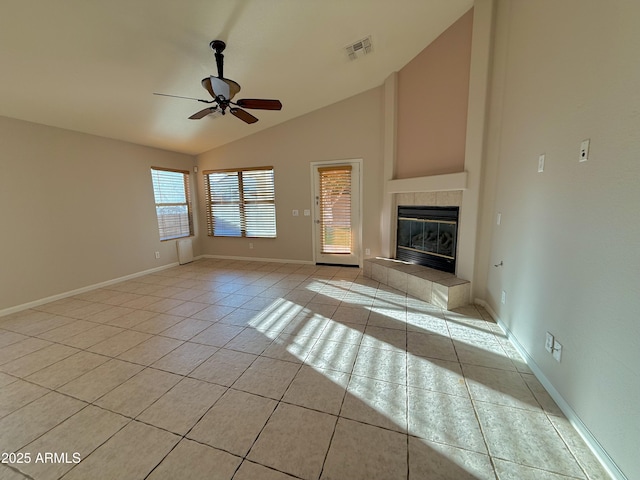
[406, 349]
[475, 410]
[278, 402]
[193, 275]
[335, 425]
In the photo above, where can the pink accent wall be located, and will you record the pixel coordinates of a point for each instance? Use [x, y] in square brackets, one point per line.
[433, 92]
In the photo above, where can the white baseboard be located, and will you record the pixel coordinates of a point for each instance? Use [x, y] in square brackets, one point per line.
[591, 441]
[259, 259]
[71, 293]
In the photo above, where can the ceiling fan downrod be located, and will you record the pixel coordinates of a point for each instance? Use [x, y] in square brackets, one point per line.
[218, 47]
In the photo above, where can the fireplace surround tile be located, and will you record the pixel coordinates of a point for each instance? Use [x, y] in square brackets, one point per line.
[379, 273]
[406, 267]
[442, 289]
[423, 198]
[366, 269]
[451, 281]
[449, 198]
[450, 297]
[397, 279]
[419, 287]
[405, 198]
[433, 275]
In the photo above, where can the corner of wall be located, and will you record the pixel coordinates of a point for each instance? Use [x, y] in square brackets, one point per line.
[390, 120]
[475, 138]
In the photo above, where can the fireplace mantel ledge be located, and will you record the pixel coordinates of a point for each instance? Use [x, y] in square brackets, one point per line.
[431, 183]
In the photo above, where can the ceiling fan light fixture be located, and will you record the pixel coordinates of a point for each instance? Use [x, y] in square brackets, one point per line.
[222, 91]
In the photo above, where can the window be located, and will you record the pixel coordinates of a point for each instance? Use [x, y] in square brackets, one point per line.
[173, 202]
[241, 203]
[335, 209]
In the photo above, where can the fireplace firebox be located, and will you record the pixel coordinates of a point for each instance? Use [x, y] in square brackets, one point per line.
[428, 236]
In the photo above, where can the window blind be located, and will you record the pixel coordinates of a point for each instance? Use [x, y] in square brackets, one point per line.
[241, 203]
[335, 209]
[173, 203]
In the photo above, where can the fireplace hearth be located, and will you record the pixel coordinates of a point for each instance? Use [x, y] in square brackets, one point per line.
[428, 236]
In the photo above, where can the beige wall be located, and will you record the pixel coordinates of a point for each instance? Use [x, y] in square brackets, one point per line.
[567, 71]
[351, 129]
[75, 210]
[433, 91]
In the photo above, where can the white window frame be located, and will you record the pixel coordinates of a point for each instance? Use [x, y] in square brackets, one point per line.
[164, 226]
[244, 203]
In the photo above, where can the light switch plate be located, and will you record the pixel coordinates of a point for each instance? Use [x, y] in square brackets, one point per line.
[584, 150]
[557, 350]
[541, 163]
[548, 344]
[296, 213]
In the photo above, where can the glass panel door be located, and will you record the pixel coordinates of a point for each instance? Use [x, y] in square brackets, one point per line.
[337, 213]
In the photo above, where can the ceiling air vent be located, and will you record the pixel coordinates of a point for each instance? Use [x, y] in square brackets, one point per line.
[359, 49]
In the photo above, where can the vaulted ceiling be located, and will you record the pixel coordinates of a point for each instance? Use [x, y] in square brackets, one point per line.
[93, 66]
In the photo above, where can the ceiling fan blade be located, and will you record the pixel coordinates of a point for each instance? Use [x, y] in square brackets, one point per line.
[203, 113]
[259, 104]
[243, 115]
[186, 98]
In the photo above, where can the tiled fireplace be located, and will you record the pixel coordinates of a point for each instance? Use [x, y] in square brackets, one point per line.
[437, 286]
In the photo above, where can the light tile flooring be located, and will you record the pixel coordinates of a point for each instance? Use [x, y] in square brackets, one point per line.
[237, 370]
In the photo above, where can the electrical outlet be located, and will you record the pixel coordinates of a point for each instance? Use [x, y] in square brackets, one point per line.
[307, 213]
[504, 297]
[548, 344]
[541, 163]
[250, 245]
[367, 251]
[557, 350]
[157, 255]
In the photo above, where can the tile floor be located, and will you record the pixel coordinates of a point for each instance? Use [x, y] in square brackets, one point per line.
[238, 370]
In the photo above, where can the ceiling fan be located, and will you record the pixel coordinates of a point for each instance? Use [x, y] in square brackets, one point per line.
[223, 90]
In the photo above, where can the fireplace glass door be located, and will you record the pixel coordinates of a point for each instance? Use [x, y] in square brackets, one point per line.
[428, 236]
